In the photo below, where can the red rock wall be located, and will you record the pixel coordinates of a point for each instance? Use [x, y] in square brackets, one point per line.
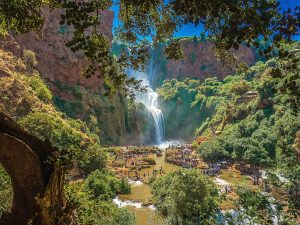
[200, 61]
[55, 60]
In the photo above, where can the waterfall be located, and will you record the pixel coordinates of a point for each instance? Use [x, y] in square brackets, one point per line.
[150, 100]
[158, 117]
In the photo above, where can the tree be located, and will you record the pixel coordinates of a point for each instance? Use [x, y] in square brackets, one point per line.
[125, 187]
[212, 150]
[94, 159]
[103, 213]
[39, 87]
[104, 186]
[186, 197]
[229, 23]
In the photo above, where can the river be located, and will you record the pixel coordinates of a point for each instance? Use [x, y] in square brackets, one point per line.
[141, 192]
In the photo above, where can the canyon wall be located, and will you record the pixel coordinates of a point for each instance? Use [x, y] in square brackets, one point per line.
[56, 62]
[83, 98]
[199, 62]
[74, 94]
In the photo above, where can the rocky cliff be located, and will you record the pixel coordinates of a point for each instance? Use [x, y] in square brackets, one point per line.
[56, 62]
[74, 95]
[82, 98]
[199, 62]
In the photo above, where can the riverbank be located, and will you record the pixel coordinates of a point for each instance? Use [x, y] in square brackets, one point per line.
[139, 201]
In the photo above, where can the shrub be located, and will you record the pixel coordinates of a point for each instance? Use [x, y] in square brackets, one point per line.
[29, 60]
[6, 192]
[212, 150]
[149, 160]
[176, 199]
[39, 87]
[104, 186]
[95, 159]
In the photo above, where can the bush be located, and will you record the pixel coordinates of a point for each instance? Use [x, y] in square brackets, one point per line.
[125, 187]
[95, 159]
[103, 213]
[39, 87]
[6, 191]
[29, 60]
[104, 186]
[212, 150]
[186, 197]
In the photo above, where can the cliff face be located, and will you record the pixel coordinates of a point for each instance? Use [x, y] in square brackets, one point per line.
[107, 117]
[56, 62]
[199, 62]
[82, 98]
[62, 69]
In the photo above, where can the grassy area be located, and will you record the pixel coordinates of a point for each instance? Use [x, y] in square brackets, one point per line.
[234, 177]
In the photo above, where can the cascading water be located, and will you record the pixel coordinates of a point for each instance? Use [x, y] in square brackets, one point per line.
[150, 100]
[152, 106]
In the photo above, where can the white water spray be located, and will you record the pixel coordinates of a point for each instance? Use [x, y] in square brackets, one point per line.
[158, 117]
[150, 100]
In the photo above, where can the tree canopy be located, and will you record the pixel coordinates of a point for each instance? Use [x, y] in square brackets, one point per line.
[186, 197]
[229, 23]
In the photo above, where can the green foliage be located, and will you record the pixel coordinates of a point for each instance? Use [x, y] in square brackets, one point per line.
[66, 135]
[39, 87]
[29, 60]
[95, 212]
[6, 191]
[70, 108]
[190, 101]
[212, 151]
[94, 159]
[75, 146]
[104, 213]
[21, 17]
[258, 130]
[186, 197]
[252, 140]
[103, 185]
[293, 189]
[125, 187]
[254, 207]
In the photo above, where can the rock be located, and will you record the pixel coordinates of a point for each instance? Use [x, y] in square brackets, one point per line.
[200, 61]
[55, 60]
[147, 203]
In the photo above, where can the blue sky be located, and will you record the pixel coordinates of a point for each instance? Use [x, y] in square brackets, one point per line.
[191, 30]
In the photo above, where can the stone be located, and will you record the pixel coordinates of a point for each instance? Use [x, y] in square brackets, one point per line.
[24, 158]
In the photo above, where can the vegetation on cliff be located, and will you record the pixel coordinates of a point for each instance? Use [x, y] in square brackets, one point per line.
[205, 107]
[25, 97]
[251, 117]
[109, 117]
[6, 192]
[230, 24]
